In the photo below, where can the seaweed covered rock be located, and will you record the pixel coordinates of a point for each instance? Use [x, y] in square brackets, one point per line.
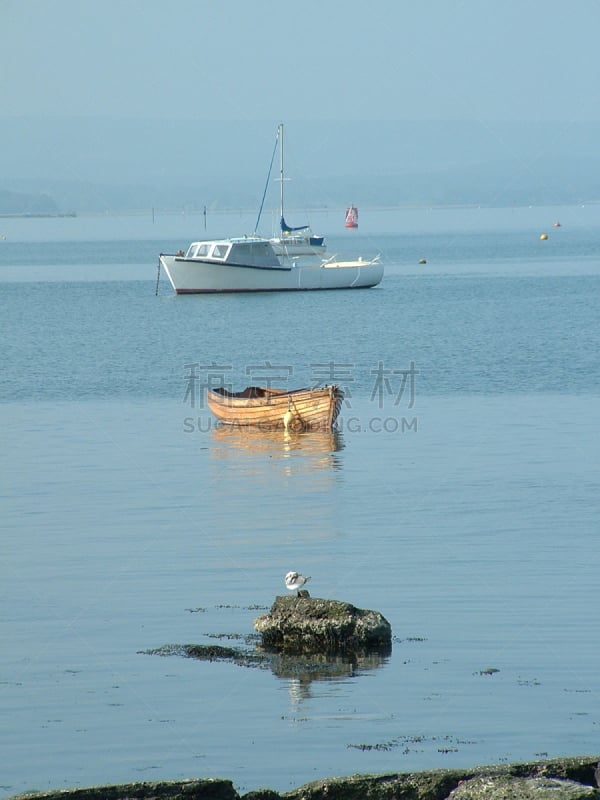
[312, 625]
[571, 778]
[191, 789]
[502, 787]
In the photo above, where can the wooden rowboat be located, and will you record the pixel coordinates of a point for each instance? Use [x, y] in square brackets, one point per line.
[300, 409]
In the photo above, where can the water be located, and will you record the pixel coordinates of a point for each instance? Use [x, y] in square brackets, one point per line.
[459, 498]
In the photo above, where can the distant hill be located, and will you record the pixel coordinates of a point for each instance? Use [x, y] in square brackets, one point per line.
[493, 184]
[100, 164]
[21, 203]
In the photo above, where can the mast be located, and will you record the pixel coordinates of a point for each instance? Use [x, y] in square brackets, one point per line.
[280, 137]
[285, 228]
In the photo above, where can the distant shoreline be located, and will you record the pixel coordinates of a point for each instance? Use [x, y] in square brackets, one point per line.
[170, 212]
[37, 216]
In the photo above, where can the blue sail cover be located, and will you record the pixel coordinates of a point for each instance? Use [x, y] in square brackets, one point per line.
[286, 228]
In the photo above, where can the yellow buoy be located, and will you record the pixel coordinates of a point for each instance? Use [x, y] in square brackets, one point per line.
[544, 236]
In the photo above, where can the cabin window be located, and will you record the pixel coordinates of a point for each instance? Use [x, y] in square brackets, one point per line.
[202, 250]
[220, 250]
[190, 252]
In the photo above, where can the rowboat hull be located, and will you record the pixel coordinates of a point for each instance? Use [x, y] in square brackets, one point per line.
[269, 409]
[194, 276]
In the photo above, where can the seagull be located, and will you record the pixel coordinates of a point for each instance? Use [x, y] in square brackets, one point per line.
[293, 581]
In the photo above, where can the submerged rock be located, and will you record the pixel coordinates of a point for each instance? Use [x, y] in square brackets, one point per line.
[312, 625]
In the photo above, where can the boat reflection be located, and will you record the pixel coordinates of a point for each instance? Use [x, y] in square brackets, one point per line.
[315, 449]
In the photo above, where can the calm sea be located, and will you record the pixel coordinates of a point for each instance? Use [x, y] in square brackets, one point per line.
[459, 497]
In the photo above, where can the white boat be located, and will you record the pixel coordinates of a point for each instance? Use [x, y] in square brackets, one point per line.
[250, 264]
[296, 260]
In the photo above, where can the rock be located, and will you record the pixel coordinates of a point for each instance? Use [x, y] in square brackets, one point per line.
[558, 779]
[262, 794]
[561, 779]
[201, 652]
[193, 789]
[506, 786]
[575, 768]
[378, 787]
[312, 625]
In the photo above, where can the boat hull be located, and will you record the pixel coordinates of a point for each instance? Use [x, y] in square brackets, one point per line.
[193, 276]
[269, 409]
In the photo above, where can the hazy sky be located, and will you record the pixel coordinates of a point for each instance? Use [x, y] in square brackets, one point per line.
[140, 93]
[312, 59]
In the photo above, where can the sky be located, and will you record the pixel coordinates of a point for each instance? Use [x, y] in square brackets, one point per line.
[315, 59]
[151, 77]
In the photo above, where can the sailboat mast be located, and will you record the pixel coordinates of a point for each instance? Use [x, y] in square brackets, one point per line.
[280, 135]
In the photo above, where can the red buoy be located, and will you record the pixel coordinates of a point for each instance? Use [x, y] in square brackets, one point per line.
[352, 217]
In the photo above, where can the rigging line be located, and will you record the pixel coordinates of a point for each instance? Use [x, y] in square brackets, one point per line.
[157, 278]
[267, 183]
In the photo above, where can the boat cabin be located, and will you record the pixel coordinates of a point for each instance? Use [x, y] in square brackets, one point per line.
[250, 251]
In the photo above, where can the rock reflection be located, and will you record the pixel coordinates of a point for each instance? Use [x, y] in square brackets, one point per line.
[300, 671]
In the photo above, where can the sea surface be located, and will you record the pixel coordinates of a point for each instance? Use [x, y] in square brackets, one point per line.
[460, 497]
